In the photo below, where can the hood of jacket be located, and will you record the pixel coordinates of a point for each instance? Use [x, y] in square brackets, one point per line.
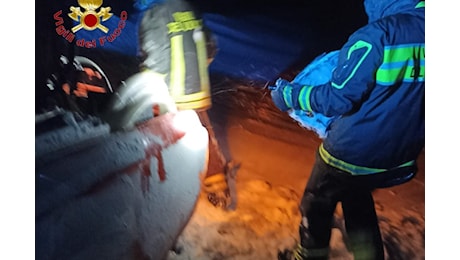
[377, 9]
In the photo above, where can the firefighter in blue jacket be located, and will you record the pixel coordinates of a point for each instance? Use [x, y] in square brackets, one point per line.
[376, 95]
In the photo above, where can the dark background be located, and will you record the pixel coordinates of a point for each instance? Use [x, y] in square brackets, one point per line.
[257, 40]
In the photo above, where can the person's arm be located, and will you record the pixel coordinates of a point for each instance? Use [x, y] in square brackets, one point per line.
[351, 81]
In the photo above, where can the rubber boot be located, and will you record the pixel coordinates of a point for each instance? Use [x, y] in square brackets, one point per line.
[301, 253]
[217, 190]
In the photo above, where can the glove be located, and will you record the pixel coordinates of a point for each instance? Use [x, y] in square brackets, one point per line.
[278, 94]
[315, 122]
[316, 73]
[285, 94]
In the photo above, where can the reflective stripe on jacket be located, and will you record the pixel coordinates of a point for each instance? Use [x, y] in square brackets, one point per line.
[378, 90]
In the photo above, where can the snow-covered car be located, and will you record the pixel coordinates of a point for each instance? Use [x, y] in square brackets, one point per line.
[123, 194]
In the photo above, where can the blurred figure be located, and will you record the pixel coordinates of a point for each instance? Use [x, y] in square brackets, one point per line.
[175, 43]
[375, 102]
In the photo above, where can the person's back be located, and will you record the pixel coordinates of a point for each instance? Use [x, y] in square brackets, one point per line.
[386, 130]
[375, 101]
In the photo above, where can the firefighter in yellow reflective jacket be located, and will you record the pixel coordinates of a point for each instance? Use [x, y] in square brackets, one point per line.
[175, 43]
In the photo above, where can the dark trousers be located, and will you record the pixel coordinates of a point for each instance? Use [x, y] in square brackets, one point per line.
[216, 160]
[326, 187]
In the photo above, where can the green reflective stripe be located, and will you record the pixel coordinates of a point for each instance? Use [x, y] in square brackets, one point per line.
[404, 52]
[177, 80]
[409, 163]
[402, 63]
[198, 37]
[358, 45]
[304, 98]
[344, 166]
[351, 168]
[390, 76]
[420, 5]
[287, 96]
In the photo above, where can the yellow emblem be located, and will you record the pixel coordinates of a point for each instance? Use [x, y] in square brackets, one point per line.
[90, 19]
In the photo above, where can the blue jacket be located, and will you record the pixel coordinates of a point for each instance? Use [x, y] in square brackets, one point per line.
[378, 90]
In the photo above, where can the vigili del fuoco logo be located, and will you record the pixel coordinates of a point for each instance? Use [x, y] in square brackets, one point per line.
[89, 15]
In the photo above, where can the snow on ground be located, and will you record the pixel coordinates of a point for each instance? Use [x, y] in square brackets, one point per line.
[275, 165]
[266, 221]
[262, 223]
